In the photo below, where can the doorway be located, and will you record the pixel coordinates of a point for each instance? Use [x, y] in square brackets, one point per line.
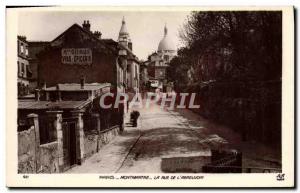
[69, 143]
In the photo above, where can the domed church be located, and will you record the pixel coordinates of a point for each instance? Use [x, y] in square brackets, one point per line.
[166, 46]
[159, 61]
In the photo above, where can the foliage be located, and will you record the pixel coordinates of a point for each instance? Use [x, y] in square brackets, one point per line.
[231, 45]
[233, 61]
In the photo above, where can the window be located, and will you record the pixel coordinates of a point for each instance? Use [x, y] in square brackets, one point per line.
[26, 51]
[120, 76]
[136, 72]
[166, 58]
[28, 72]
[18, 68]
[22, 48]
[22, 69]
[47, 129]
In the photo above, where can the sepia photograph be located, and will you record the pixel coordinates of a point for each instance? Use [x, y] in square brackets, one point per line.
[151, 94]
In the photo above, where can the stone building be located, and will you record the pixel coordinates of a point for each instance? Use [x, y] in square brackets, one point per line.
[67, 123]
[80, 52]
[133, 64]
[144, 78]
[159, 61]
[34, 48]
[24, 72]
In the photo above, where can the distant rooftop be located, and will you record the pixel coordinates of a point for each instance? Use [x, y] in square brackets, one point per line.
[77, 87]
[25, 104]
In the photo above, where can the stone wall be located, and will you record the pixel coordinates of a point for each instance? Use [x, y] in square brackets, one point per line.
[94, 142]
[46, 159]
[107, 135]
[26, 151]
[49, 158]
[252, 108]
[90, 143]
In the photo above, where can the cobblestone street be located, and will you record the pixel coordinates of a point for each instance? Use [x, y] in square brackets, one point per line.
[170, 133]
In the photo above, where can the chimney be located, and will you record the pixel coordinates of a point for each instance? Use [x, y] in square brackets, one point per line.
[86, 25]
[82, 81]
[97, 34]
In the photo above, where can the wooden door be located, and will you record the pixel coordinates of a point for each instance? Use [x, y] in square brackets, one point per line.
[69, 144]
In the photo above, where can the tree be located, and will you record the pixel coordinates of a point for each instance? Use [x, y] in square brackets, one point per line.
[233, 60]
[239, 45]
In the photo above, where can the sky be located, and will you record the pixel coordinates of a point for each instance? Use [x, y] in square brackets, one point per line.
[145, 28]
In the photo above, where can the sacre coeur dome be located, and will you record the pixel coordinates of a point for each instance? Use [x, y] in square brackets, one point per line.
[166, 43]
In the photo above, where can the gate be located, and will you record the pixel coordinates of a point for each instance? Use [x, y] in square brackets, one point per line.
[69, 142]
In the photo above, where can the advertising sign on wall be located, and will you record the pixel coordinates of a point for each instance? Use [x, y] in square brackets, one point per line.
[82, 56]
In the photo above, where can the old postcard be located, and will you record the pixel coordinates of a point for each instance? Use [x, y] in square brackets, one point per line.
[150, 96]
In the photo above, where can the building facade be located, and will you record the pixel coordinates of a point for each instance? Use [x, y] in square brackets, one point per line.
[24, 72]
[79, 52]
[144, 78]
[66, 120]
[34, 48]
[63, 123]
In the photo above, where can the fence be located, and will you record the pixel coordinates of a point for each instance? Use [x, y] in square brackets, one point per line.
[231, 162]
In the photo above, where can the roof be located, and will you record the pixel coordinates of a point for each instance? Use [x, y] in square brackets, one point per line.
[77, 87]
[131, 56]
[38, 43]
[27, 97]
[37, 105]
[166, 43]
[123, 30]
[109, 41]
[90, 34]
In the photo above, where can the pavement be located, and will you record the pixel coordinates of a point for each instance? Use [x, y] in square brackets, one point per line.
[171, 133]
[255, 154]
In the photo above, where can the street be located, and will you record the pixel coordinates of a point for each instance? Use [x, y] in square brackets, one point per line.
[163, 133]
[163, 97]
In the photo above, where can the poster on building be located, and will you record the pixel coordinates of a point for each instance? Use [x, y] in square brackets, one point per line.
[81, 56]
[211, 107]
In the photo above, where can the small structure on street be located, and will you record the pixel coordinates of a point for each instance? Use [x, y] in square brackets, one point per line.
[224, 161]
[184, 164]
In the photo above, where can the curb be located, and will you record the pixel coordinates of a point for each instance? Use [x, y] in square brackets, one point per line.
[131, 146]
